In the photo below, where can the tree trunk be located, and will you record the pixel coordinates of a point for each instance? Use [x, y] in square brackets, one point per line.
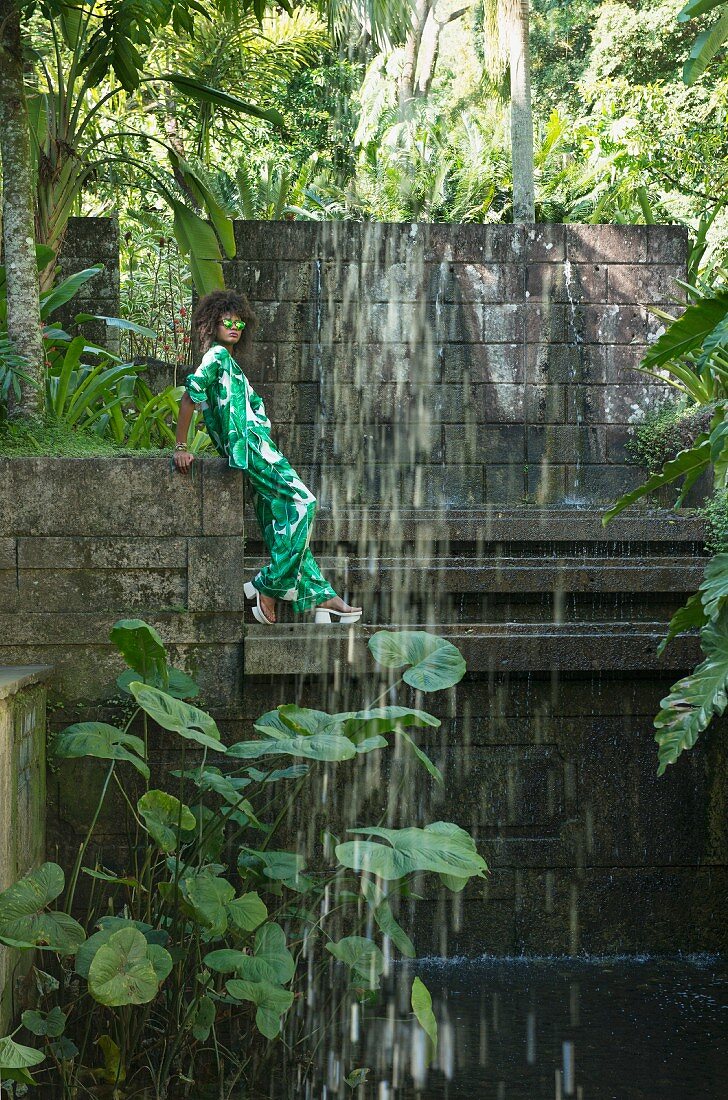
[521, 116]
[24, 325]
[420, 12]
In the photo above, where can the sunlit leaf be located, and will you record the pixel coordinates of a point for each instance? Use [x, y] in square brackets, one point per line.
[180, 717]
[433, 663]
[13, 1057]
[441, 847]
[103, 742]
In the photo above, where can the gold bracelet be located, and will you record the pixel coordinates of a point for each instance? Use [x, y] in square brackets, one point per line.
[180, 446]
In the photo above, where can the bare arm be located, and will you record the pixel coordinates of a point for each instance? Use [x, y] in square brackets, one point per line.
[183, 459]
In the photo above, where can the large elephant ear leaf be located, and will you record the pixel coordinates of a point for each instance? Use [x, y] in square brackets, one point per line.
[122, 972]
[103, 742]
[16, 1059]
[443, 848]
[25, 918]
[271, 1002]
[322, 746]
[165, 817]
[142, 648]
[696, 699]
[360, 724]
[179, 684]
[433, 662]
[183, 718]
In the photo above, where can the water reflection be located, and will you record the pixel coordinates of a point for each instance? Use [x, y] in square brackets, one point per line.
[517, 1029]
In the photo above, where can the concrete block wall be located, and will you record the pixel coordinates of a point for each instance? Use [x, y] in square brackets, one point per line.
[452, 365]
[90, 242]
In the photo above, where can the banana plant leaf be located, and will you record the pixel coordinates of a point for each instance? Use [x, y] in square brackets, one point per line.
[203, 93]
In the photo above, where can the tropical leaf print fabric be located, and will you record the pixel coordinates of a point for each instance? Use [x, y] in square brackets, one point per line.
[235, 417]
[285, 509]
[230, 405]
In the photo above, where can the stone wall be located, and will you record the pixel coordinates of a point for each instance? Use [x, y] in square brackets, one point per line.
[547, 746]
[90, 242]
[22, 802]
[458, 364]
[443, 365]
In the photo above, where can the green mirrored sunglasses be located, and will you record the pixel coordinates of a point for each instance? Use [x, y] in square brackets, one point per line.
[228, 324]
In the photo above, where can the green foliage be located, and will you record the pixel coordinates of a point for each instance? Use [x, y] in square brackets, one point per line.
[123, 971]
[692, 355]
[665, 431]
[211, 919]
[26, 920]
[695, 699]
[709, 41]
[433, 663]
[16, 1059]
[102, 741]
[442, 848]
[422, 1008]
[715, 515]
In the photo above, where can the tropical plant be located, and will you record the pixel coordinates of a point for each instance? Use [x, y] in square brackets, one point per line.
[77, 392]
[692, 356]
[215, 919]
[709, 41]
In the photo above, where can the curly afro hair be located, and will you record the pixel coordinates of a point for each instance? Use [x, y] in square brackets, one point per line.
[212, 308]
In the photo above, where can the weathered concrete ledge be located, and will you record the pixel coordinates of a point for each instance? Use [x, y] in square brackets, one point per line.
[22, 800]
[514, 647]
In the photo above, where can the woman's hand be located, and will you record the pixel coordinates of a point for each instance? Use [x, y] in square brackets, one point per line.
[183, 460]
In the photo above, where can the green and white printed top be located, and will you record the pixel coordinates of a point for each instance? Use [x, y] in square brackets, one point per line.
[230, 405]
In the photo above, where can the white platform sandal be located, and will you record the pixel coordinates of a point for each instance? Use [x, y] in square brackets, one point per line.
[323, 615]
[252, 593]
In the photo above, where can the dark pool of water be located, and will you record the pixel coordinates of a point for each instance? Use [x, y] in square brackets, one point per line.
[619, 1029]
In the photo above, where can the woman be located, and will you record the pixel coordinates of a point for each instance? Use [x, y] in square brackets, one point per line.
[235, 418]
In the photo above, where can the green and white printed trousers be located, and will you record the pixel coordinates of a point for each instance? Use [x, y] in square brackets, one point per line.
[285, 509]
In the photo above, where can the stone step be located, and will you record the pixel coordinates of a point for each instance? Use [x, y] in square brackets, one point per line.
[527, 524]
[284, 650]
[533, 574]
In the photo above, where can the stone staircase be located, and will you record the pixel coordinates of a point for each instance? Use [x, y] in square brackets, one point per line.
[518, 589]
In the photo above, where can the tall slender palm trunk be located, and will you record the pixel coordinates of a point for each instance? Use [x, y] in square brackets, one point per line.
[521, 114]
[24, 326]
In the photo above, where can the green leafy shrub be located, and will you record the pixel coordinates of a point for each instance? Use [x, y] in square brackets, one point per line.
[671, 428]
[715, 514]
[187, 965]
